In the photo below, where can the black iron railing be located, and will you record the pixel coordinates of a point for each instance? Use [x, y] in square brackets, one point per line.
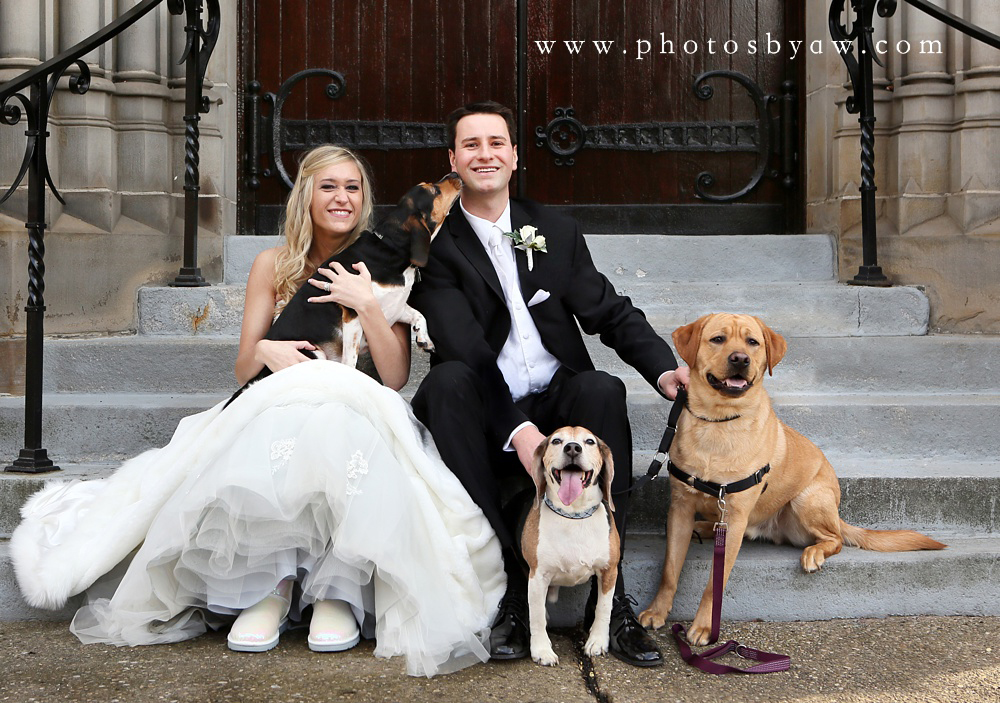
[40, 85]
[862, 103]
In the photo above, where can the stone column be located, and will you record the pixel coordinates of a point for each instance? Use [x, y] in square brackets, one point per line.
[923, 117]
[22, 46]
[20, 49]
[977, 138]
[141, 119]
[84, 144]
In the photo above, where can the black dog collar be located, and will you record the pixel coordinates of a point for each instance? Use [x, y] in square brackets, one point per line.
[718, 490]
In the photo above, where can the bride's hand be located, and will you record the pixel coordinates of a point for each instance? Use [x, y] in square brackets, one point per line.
[350, 290]
[277, 355]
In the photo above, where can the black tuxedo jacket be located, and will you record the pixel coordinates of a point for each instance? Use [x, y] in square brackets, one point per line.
[467, 318]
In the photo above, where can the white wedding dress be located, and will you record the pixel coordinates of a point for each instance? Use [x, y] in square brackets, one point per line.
[317, 473]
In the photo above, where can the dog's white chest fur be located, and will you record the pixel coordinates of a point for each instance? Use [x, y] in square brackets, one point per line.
[392, 299]
[571, 551]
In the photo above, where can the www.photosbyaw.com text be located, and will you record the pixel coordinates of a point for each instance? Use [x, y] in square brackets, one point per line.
[642, 49]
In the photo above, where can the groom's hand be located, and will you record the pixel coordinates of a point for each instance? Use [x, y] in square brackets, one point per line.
[672, 380]
[525, 442]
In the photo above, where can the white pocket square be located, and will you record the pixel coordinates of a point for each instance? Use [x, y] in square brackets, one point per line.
[540, 296]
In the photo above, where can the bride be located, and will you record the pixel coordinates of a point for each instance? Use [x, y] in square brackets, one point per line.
[315, 489]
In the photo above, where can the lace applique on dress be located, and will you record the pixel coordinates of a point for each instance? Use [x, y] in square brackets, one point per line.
[281, 452]
[356, 468]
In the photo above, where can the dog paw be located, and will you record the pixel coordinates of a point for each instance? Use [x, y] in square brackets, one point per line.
[812, 559]
[651, 617]
[424, 342]
[699, 635]
[544, 656]
[596, 645]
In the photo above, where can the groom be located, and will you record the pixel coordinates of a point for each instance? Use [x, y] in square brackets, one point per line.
[510, 364]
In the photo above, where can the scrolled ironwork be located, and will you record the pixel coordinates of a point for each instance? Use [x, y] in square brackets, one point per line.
[705, 179]
[80, 82]
[29, 96]
[334, 90]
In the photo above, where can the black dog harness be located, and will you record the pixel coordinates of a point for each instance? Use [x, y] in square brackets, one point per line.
[718, 490]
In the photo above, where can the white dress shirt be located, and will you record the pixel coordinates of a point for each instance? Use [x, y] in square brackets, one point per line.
[527, 366]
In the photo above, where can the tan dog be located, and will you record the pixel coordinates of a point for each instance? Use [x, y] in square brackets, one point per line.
[728, 432]
[570, 533]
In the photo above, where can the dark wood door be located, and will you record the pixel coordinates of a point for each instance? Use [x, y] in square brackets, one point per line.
[612, 115]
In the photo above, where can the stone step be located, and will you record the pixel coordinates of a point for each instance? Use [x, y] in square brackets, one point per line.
[766, 583]
[107, 426]
[656, 258]
[954, 496]
[793, 309]
[141, 363]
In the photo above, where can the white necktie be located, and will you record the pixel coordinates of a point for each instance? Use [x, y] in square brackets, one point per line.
[500, 252]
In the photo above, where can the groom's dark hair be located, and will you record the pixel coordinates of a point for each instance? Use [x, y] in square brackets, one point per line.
[486, 107]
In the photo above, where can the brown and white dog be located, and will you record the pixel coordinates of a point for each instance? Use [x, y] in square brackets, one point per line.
[400, 243]
[728, 432]
[570, 533]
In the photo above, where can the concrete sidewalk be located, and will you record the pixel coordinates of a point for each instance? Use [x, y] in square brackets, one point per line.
[893, 660]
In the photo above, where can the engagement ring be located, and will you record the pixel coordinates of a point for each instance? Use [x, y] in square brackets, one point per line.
[327, 286]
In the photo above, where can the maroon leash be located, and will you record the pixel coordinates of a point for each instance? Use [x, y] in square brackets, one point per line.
[769, 661]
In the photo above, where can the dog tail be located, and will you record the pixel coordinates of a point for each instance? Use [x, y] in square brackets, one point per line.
[887, 540]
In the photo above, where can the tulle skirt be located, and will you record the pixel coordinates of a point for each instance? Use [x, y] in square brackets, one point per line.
[320, 474]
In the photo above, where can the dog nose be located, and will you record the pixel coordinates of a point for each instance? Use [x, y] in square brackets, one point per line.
[573, 449]
[739, 359]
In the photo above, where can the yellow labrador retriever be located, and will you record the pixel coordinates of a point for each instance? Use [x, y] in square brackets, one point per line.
[729, 432]
[570, 533]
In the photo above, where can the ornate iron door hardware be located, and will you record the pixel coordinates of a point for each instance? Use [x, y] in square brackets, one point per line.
[565, 135]
[273, 134]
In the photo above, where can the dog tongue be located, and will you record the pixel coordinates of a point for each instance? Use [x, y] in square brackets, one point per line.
[570, 486]
[736, 382]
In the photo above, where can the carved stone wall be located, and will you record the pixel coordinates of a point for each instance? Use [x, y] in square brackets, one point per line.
[937, 140]
[117, 156]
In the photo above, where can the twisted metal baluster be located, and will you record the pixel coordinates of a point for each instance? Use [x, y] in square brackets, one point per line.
[863, 103]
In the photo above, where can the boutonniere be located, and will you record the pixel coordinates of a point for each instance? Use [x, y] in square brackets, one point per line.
[527, 241]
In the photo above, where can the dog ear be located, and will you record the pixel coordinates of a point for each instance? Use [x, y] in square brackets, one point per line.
[538, 468]
[607, 472]
[420, 241]
[687, 338]
[774, 344]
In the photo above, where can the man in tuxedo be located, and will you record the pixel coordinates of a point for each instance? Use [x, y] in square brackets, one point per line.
[510, 364]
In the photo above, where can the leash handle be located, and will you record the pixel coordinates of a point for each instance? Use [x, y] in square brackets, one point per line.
[769, 661]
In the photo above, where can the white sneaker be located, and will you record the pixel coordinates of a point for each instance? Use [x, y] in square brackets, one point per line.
[333, 627]
[258, 627]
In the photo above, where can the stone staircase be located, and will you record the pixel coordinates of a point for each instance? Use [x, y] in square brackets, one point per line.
[908, 420]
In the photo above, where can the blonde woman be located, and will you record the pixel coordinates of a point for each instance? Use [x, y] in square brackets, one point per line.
[314, 490]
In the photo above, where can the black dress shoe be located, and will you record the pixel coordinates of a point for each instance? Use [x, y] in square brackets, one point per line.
[629, 640]
[510, 636]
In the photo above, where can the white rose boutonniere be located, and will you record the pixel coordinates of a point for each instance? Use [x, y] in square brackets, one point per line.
[527, 240]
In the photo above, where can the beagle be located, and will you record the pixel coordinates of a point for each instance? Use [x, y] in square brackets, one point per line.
[570, 535]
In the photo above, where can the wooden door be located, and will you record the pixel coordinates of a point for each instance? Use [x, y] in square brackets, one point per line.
[613, 125]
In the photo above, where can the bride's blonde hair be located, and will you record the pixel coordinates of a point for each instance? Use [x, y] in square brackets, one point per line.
[292, 265]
